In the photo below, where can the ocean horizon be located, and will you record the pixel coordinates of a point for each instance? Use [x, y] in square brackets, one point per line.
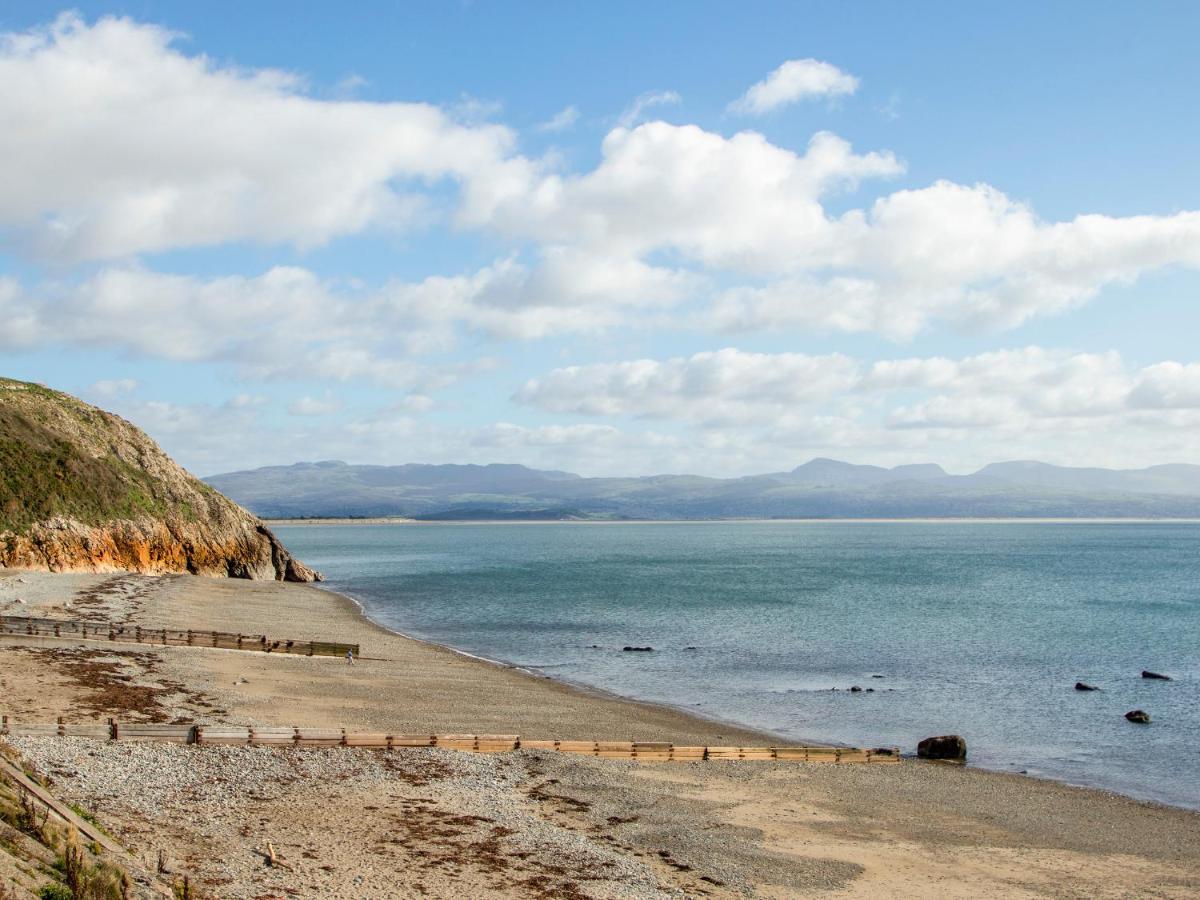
[967, 627]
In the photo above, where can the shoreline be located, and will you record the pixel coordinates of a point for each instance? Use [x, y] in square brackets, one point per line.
[591, 826]
[585, 689]
[920, 520]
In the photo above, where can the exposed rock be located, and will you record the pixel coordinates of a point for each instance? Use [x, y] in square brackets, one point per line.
[1139, 716]
[637, 649]
[856, 689]
[947, 746]
[1082, 686]
[1155, 676]
[84, 490]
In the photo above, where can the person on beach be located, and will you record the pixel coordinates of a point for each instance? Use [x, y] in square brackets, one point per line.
[349, 657]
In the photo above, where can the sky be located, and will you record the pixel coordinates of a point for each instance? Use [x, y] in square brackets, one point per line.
[616, 239]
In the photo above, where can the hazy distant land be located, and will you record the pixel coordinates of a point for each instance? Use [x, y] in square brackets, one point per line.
[820, 489]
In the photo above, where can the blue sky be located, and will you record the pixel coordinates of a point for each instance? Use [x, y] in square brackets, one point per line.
[615, 240]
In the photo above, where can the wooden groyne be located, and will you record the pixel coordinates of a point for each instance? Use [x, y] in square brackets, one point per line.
[82, 629]
[297, 736]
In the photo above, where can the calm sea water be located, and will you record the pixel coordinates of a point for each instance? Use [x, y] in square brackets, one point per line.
[978, 629]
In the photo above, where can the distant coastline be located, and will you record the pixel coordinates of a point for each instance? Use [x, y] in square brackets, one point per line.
[920, 520]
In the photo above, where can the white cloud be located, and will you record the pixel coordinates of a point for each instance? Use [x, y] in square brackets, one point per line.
[561, 120]
[112, 149]
[720, 387]
[633, 114]
[732, 203]
[795, 80]
[325, 405]
[288, 323]
[1004, 390]
[1167, 385]
[968, 256]
[113, 387]
[118, 143]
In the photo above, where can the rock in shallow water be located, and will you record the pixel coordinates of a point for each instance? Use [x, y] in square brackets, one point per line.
[947, 746]
[1139, 716]
[1081, 686]
[1155, 676]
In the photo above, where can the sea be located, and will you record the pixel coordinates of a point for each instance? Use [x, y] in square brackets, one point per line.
[979, 629]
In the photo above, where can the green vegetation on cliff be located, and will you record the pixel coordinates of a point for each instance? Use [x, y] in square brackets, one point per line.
[48, 470]
[81, 488]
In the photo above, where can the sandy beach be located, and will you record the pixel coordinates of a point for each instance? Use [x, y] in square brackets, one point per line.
[436, 823]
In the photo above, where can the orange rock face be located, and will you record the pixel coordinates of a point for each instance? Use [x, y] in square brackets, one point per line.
[244, 549]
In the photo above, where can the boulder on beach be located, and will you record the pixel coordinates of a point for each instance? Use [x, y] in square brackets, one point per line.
[1155, 676]
[946, 747]
[1139, 716]
[1083, 686]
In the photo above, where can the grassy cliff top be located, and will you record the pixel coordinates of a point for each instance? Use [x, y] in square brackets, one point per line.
[61, 457]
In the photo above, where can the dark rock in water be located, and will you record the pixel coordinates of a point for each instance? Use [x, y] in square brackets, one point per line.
[876, 676]
[1155, 676]
[856, 690]
[689, 648]
[947, 746]
[637, 649]
[1081, 686]
[870, 690]
[593, 646]
[1139, 716]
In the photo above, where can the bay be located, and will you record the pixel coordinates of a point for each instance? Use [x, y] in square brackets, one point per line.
[973, 628]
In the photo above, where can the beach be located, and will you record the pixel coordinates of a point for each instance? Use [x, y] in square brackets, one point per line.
[355, 823]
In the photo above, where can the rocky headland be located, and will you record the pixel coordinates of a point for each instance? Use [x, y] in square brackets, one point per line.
[84, 490]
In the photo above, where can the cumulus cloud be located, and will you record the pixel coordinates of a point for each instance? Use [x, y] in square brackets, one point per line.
[725, 386]
[118, 143]
[1005, 390]
[112, 149]
[732, 203]
[289, 323]
[795, 80]
[969, 256]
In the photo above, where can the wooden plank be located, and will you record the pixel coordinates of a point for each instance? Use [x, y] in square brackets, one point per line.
[414, 740]
[626, 746]
[88, 731]
[539, 745]
[577, 746]
[366, 739]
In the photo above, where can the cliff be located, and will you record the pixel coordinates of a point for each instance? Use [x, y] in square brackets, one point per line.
[82, 489]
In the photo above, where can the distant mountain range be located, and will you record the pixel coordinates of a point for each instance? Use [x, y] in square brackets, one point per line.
[821, 488]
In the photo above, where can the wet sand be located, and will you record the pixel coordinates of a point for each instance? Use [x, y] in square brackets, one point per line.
[726, 829]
